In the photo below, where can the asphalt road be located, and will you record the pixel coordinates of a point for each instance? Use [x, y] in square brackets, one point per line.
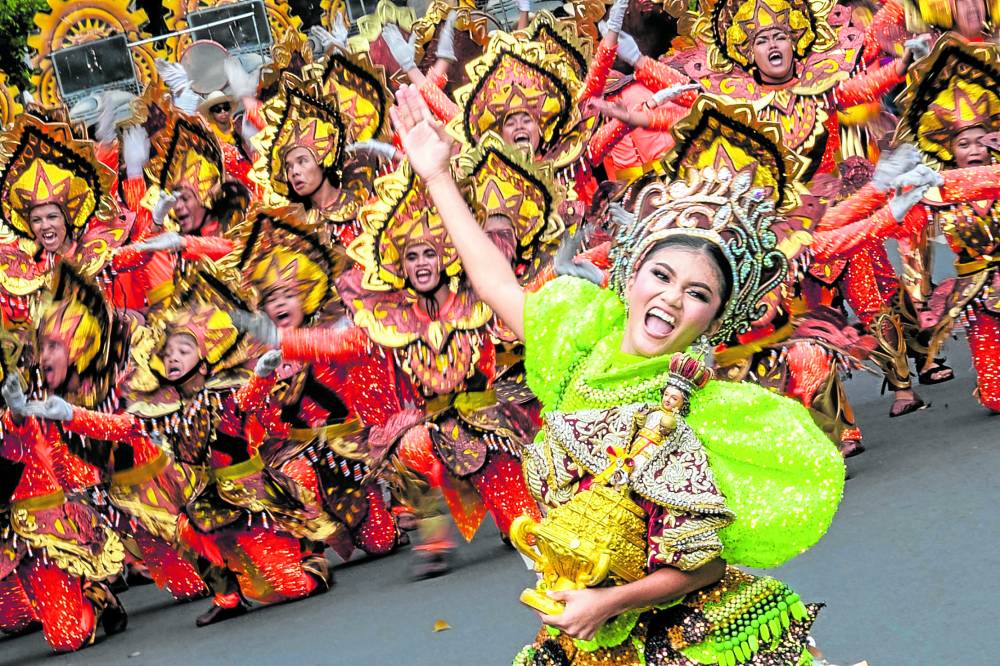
[908, 570]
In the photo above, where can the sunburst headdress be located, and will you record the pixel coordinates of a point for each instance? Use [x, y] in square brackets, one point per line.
[186, 155]
[504, 182]
[400, 215]
[514, 75]
[80, 318]
[721, 207]
[278, 251]
[953, 89]
[728, 27]
[41, 163]
[299, 116]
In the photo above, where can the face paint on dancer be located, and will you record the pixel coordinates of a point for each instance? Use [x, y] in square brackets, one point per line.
[181, 356]
[772, 55]
[422, 266]
[968, 148]
[674, 298]
[284, 307]
[521, 129]
[48, 225]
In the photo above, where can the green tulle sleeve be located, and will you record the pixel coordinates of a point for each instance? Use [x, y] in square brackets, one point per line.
[562, 322]
[781, 475]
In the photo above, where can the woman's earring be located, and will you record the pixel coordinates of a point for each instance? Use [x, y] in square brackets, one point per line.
[702, 348]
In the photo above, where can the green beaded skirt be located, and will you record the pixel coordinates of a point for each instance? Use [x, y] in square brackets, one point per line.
[742, 619]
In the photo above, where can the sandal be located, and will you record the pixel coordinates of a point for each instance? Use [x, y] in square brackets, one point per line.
[908, 407]
[850, 448]
[927, 377]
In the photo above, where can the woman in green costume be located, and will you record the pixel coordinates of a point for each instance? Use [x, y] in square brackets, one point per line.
[691, 264]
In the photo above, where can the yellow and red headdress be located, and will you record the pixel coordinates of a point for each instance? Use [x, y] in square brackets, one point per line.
[299, 116]
[513, 76]
[953, 89]
[728, 27]
[187, 155]
[277, 251]
[401, 215]
[79, 317]
[42, 163]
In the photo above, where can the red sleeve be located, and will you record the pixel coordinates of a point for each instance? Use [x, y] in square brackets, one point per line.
[860, 205]
[842, 242]
[98, 425]
[252, 395]
[891, 16]
[971, 184]
[324, 344]
[213, 247]
[127, 258]
[663, 118]
[657, 75]
[597, 77]
[438, 101]
[606, 138]
[868, 87]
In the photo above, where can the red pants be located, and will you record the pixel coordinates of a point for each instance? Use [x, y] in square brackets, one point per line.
[984, 342]
[67, 617]
[170, 571]
[16, 611]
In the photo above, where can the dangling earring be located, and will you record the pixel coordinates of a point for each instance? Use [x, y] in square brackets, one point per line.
[702, 349]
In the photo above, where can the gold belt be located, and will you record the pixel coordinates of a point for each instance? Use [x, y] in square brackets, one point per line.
[464, 402]
[142, 473]
[628, 174]
[239, 470]
[325, 433]
[967, 268]
[50, 501]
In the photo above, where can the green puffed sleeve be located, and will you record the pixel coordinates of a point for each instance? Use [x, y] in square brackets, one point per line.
[781, 475]
[562, 322]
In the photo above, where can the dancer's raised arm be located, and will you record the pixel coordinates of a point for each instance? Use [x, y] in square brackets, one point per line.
[429, 151]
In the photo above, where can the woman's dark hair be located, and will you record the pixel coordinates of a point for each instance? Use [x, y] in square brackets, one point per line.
[230, 204]
[708, 249]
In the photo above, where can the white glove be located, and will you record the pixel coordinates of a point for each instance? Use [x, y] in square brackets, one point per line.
[669, 93]
[918, 176]
[339, 31]
[404, 52]
[53, 409]
[115, 106]
[628, 50]
[248, 130]
[13, 395]
[268, 363]
[187, 101]
[565, 262]
[524, 5]
[241, 83]
[257, 325]
[616, 15]
[135, 150]
[901, 204]
[169, 241]
[919, 46]
[377, 149]
[321, 39]
[893, 164]
[162, 207]
[173, 74]
[446, 39]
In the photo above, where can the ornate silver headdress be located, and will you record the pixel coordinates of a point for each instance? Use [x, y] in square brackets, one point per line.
[721, 207]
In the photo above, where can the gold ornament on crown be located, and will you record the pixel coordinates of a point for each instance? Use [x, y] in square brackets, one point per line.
[728, 28]
[74, 22]
[187, 155]
[953, 89]
[562, 39]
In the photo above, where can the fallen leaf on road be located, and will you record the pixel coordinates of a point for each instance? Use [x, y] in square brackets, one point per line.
[441, 625]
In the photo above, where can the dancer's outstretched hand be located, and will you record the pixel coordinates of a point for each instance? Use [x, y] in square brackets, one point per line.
[257, 325]
[53, 409]
[424, 139]
[268, 363]
[13, 395]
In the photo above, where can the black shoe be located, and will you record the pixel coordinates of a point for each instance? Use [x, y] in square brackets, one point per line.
[220, 614]
[317, 568]
[114, 619]
[431, 565]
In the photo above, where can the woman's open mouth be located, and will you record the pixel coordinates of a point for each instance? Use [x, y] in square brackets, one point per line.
[775, 58]
[522, 139]
[659, 323]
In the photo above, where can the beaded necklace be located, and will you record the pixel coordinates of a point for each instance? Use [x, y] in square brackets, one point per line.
[593, 364]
